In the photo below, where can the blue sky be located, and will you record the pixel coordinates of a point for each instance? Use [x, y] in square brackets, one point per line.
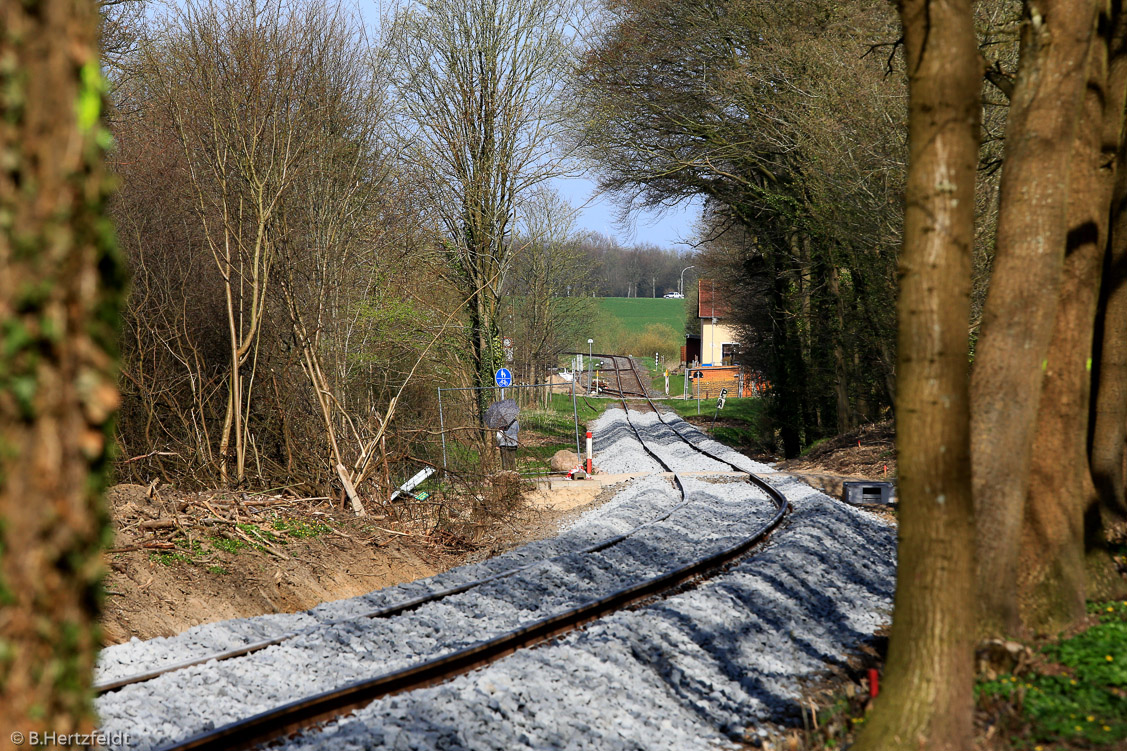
[672, 228]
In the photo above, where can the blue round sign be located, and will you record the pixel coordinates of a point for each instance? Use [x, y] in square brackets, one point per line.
[504, 378]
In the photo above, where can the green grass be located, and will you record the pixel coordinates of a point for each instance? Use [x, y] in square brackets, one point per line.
[586, 409]
[638, 326]
[635, 313]
[262, 535]
[169, 559]
[300, 529]
[676, 383]
[228, 546]
[542, 434]
[558, 427]
[806, 451]
[1086, 702]
[748, 412]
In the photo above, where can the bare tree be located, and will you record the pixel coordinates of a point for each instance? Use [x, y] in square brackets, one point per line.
[238, 80]
[480, 83]
[60, 284]
[544, 298]
[928, 700]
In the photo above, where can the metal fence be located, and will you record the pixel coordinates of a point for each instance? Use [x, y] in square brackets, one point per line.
[548, 419]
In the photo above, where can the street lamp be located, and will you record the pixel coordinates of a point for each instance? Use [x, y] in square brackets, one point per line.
[590, 357]
[681, 284]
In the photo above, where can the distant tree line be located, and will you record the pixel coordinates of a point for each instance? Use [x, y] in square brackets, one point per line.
[640, 270]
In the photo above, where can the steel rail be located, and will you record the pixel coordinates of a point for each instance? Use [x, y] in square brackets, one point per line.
[385, 612]
[408, 605]
[752, 478]
[293, 716]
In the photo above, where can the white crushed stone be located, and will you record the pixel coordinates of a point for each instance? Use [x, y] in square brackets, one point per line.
[699, 670]
[623, 513]
[692, 671]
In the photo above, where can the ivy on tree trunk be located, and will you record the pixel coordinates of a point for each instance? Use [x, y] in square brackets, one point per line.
[60, 281]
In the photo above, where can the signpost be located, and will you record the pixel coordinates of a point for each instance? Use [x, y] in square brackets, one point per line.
[590, 362]
[504, 379]
[719, 406]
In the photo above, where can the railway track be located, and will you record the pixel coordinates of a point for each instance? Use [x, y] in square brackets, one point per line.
[292, 716]
[628, 381]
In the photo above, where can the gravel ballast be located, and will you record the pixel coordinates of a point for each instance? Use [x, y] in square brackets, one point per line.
[623, 513]
[698, 670]
[710, 661]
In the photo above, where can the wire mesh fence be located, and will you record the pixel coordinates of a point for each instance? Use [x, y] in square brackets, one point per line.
[547, 421]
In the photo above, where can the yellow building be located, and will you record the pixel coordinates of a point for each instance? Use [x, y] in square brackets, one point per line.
[718, 342]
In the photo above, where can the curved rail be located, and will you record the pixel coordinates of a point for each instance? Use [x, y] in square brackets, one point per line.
[390, 610]
[758, 482]
[412, 604]
[293, 716]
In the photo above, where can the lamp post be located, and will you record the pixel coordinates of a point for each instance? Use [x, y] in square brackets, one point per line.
[681, 284]
[590, 357]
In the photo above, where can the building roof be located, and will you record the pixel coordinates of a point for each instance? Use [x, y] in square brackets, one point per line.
[711, 302]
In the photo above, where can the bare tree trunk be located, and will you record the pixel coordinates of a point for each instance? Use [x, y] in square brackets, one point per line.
[60, 286]
[241, 159]
[1018, 315]
[477, 80]
[1107, 433]
[927, 703]
[1051, 565]
[841, 371]
[1053, 579]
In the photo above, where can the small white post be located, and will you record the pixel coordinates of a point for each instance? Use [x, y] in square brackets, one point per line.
[588, 452]
[667, 382]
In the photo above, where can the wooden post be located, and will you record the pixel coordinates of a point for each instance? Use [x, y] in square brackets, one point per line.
[356, 505]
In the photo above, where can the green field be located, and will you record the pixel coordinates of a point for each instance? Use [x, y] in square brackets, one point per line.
[635, 313]
[640, 326]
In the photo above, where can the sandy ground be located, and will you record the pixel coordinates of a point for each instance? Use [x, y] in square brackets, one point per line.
[171, 569]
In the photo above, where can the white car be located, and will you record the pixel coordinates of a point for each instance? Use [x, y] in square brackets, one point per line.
[674, 296]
